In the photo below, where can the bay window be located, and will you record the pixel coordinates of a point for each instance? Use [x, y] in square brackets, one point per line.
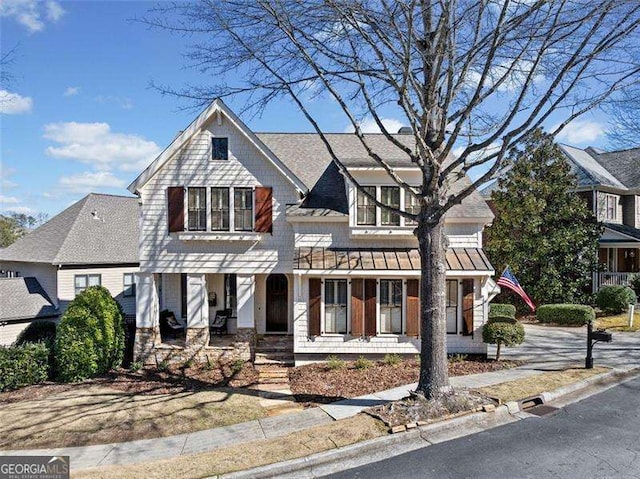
[390, 196]
[366, 208]
[411, 205]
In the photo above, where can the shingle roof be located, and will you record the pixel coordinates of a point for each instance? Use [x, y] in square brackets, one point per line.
[624, 165]
[588, 171]
[24, 298]
[98, 229]
[624, 229]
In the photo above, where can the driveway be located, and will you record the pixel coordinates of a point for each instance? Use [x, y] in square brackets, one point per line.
[547, 347]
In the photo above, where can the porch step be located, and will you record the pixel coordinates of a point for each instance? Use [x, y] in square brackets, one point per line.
[274, 374]
[261, 360]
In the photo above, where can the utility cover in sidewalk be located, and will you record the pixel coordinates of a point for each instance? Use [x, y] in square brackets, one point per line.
[542, 410]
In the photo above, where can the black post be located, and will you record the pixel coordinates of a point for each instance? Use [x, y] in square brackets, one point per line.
[588, 363]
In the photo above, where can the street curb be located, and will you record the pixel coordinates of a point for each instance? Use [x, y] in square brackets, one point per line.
[355, 455]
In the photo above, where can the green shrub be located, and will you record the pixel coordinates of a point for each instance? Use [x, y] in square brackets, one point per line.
[237, 366]
[634, 283]
[23, 365]
[458, 358]
[568, 314]
[90, 337]
[363, 363]
[502, 310]
[163, 367]
[136, 366]
[392, 359]
[334, 362]
[40, 332]
[501, 319]
[500, 334]
[615, 299]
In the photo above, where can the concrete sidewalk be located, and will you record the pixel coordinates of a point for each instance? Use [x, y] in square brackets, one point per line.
[147, 450]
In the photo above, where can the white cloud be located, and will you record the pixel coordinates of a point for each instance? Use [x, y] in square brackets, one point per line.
[90, 181]
[580, 132]
[71, 91]
[95, 144]
[8, 200]
[21, 209]
[32, 14]
[516, 75]
[5, 175]
[14, 104]
[369, 125]
[123, 102]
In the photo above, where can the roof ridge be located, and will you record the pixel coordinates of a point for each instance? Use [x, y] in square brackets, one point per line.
[112, 195]
[578, 165]
[83, 203]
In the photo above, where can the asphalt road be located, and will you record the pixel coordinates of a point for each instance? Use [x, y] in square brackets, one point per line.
[598, 437]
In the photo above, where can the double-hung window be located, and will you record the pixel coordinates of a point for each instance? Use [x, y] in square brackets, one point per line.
[612, 207]
[390, 196]
[243, 209]
[391, 306]
[335, 306]
[129, 281]
[366, 208]
[197, 209]
[452, 306]
[83, 281]
[220, 209]
[411, 205]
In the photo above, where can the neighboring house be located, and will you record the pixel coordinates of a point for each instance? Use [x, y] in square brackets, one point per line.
[23, 300]
[94, 241]
[263, 225]
[610, 184]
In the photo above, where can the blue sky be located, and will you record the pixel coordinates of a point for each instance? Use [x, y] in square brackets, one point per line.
[80, 116]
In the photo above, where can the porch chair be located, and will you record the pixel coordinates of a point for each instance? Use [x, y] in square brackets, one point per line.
[219, 324]
[170, 325]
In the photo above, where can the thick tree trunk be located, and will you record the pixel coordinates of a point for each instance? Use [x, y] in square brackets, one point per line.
[434, 375]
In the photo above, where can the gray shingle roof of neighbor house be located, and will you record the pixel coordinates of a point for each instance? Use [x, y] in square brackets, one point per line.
[616, 169]
[24, 298]
[308, 158]
[624, 229]
[624, 165]
[98, 229]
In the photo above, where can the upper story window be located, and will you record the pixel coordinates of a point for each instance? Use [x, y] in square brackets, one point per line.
[220, 209]
[391, 306]
[197, 209]
[243, 209]
[220, 149]
[390, 195]
[411, 205]
[611, 207]
[83, 281]
[129, 284]
[366, 214]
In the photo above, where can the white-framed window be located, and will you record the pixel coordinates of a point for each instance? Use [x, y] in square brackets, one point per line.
[243, 209]
[452, 306]
[197, 208]
[219, 149]
[390, 306]
[219, 209]
[390, 196]
[335, 306]
[129, 284]
[611, 212]
[411, 205]
[365, 207]
[83, 281]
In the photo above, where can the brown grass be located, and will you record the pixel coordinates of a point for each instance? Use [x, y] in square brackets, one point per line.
[534, 385]
[619, 322]
[246, 456]
[96, 414]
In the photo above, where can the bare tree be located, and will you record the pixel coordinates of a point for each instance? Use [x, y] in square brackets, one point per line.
[624, 109]
[477, 75]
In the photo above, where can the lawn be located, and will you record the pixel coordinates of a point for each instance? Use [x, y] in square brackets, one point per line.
[619, 322]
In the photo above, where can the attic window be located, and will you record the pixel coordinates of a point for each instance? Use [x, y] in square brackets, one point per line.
[219, 149]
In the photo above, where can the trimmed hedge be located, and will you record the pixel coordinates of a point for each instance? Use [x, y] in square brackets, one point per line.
[615, 299]
[90, 338]
[502, 310]
[40, 332]
[569, 314]
[503, 334]
[501, 319]
[23, 365]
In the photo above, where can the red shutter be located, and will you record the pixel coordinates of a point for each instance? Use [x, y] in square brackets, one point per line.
[357, 307]
[315, 298]
[175, 209]
[467, 307]
[413, 307]
[264, 209]
[370, 317]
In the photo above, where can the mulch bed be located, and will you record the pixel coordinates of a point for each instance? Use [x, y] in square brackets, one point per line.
[318, 384]
[149, 381]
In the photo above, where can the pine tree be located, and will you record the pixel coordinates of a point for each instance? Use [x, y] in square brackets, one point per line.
[543, 229]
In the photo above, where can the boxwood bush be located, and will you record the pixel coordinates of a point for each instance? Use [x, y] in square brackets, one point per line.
[567, 314]
[23, 365]
[502, 310]
[501, 319]
[90, 337]
[40, 332]
[634, 283]
[615, 299]
[507, 334]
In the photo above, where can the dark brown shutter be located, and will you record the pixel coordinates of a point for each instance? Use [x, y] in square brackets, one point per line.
[370, 319]
[264, 209]
[315, 297]
[467, 307]
[357, 307]
[413, 307]
[175, 208]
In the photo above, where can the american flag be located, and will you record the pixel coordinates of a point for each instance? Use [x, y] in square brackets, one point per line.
[508, 280]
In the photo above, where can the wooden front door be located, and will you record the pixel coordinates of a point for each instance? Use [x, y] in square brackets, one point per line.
[277, 303]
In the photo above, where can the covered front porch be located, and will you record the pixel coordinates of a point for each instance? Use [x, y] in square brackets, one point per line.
[617, 263]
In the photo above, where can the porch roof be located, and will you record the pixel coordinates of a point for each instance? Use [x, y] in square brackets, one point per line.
[385, 259]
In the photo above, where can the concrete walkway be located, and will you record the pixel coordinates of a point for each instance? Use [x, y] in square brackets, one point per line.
[209, 440]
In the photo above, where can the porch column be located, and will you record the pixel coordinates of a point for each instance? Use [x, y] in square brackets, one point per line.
[197, 311]
[246, 334]
[147, 331]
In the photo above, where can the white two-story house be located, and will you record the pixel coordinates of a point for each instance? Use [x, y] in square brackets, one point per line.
[264, 227]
